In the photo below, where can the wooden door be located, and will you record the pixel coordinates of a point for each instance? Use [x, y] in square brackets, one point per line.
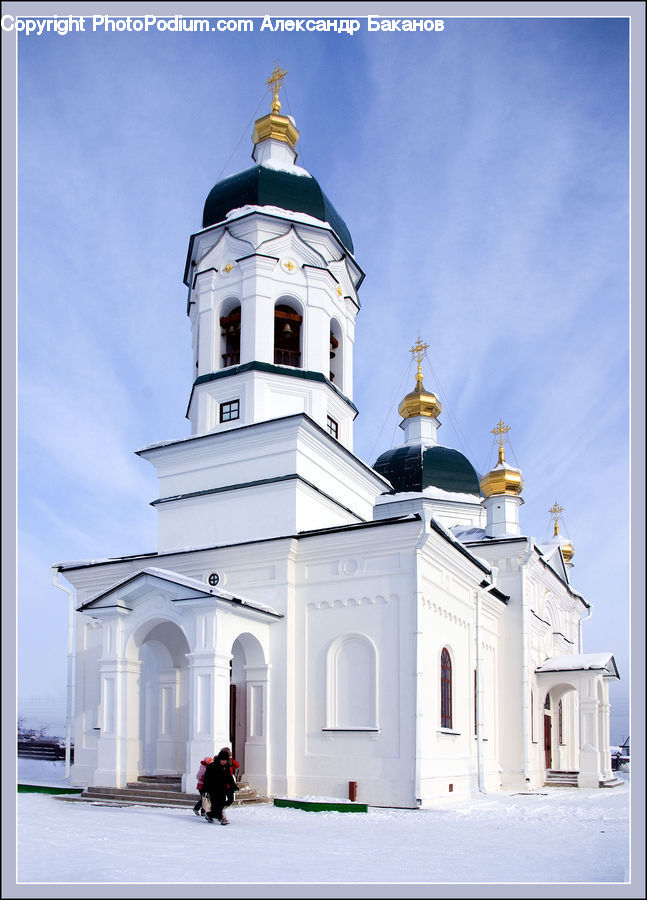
[547, 741]
[232, 719]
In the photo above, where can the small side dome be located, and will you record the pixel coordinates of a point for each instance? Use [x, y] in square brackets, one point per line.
[568, 551]
[416, 467]
[420, 403]
[502, 479]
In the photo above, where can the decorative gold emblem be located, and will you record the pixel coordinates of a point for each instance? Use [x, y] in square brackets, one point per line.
[339, 291]
[228, 267]
[290, 266]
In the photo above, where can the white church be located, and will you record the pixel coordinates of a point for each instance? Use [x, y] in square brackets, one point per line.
[332, 621]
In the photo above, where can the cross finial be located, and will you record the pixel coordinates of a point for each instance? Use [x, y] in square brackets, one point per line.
[555, 510]
[275, 81]
[419, 351]
[499, 431]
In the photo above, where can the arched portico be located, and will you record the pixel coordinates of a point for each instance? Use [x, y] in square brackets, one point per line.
[588, 676]
[163, 698]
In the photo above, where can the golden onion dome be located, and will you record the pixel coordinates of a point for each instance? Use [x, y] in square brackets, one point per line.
[564, 543]
[502, 479]
[420, 403]
[567, 551]
[274, 125]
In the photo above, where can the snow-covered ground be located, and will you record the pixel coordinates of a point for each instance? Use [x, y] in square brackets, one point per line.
[553, 835]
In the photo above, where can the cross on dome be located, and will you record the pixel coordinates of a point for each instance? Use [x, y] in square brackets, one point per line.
[419, 350]
[499, 431]
[275, 82]
[555, 511]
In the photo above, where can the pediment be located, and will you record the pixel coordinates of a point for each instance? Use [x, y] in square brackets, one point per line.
[133, 589]
[339, 269]
[291, 244]
[129, 592]
[226, 248]
[554, 558]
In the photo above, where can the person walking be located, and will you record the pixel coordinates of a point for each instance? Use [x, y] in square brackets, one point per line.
[218, 782]
[197, 809]
[233, 768]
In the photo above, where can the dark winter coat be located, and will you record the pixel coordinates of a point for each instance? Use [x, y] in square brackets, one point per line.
[218, 782]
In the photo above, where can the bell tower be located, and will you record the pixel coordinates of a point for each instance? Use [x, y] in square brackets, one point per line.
[272, 294]
[272, 299]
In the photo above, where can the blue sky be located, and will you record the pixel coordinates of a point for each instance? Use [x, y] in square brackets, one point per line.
[483, 173]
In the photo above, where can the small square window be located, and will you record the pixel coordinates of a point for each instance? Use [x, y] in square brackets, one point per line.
[230, 411]
[333, 428]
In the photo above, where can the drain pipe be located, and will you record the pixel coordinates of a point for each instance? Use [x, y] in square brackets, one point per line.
[479, 686]
[525, 675]
[70, 669]
[422, 540]
[584, 618]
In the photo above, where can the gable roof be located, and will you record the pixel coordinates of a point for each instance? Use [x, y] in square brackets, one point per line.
[570, 662]
[123, 592]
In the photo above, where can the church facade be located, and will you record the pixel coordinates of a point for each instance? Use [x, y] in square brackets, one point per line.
[333, 622]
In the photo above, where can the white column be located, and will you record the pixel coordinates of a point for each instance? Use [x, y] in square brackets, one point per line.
[209, 679]
[118, 746]
[590, 774]
[257, 762]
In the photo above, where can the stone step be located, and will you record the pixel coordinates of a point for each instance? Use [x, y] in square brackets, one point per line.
[611, 783]
[151, 790]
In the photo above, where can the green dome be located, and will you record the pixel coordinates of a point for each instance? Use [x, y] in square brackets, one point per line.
[415, 467]
[266, 186]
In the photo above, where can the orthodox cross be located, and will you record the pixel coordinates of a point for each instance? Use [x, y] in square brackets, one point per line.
[419, 350]
[499, 431]
[555, 510]
[275, 82]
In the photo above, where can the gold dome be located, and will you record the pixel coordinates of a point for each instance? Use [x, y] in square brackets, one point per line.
[564, 543]
[273, 125]
[567, 551]
[280, 128]
[502, 479]
[420, 403]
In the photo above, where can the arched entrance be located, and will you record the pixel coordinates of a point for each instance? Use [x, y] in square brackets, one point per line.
[548, 734]
[163, 700]
[248, 704]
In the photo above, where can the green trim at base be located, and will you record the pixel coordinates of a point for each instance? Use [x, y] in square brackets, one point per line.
[317, 806]
[43, 789]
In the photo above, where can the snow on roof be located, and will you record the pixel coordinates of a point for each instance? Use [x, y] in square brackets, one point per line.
[277, 211]
[285, 167]
[570, 662]
[185, 580]
[465, 535]
[433, 493]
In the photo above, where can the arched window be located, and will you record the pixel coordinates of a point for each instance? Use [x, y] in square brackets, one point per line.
[230, 332]
[445, 689]
[287, 336]
[336, 355]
